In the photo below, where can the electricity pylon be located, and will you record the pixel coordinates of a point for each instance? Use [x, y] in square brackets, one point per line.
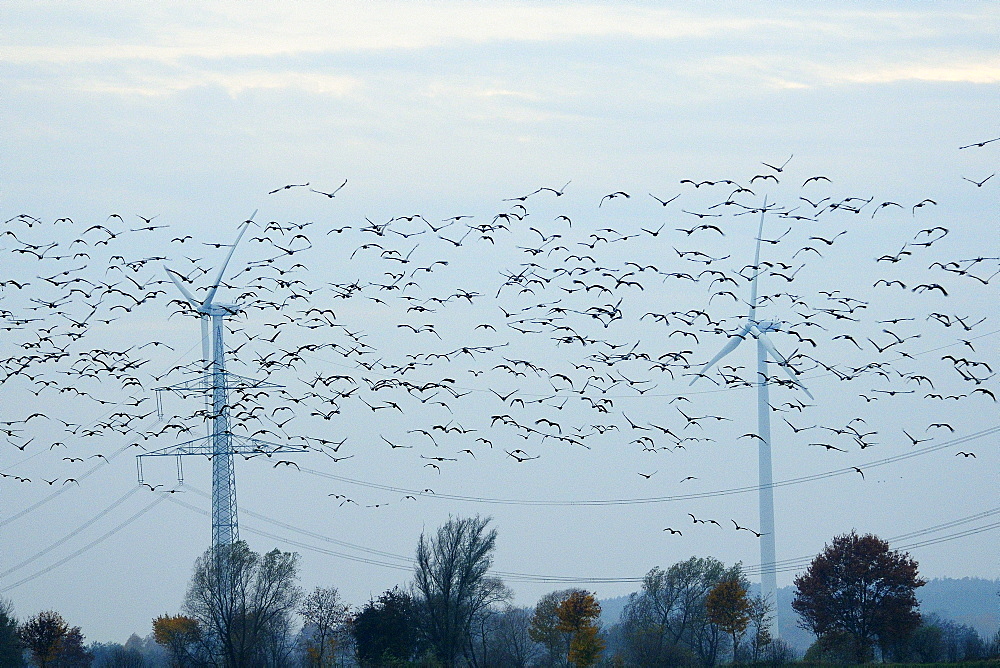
[215, 383]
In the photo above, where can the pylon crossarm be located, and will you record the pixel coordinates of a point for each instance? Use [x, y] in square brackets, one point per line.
[241, 445]
[245, 445]
[233, 382]
[190, 386]
[237, 382]
[198, 446]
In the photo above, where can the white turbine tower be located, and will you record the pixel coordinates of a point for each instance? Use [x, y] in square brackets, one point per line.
[758, 329]
[221, 443]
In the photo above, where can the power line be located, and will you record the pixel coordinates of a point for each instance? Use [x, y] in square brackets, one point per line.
[97, 541]
[349, 557]
[63, 488]
[122, 499]
[785, 565]
[800, 562]
[658, 499]
[946, 525]
[305, 532]
[950, 537]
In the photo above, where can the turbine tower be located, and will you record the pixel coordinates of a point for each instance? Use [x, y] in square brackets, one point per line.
[215, 383]
[758, 329]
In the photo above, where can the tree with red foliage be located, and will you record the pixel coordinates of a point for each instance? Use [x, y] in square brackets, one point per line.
[860, 590]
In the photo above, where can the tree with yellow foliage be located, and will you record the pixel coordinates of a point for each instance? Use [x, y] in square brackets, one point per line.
[578, 614]
[544, 628]
[728, 607]
[180, 636]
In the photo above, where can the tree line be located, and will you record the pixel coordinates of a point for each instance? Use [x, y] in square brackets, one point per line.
[245, 610]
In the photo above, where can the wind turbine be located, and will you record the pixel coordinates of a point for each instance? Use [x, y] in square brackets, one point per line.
[758, 329]
[221, 443]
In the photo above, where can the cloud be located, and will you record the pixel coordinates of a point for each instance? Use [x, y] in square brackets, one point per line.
[240, 29]
[234, 83]
[984, 71]
[328, 48]
[231, 29]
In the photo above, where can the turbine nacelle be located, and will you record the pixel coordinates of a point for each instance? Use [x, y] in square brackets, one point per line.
[768, 325]
[221, 309]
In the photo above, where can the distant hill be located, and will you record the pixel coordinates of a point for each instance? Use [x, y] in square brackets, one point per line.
[611, 610]
[972, 601]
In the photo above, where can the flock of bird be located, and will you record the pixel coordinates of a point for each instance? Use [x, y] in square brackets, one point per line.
[508, 339]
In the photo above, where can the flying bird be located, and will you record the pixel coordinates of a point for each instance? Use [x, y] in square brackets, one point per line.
[815, 178]
[331, 195]
[783, 165]
[558, 193]
[979, 144]
[288, 187]
[613, 196]
[941, 425]
[664, 202]
[829, 447]
[979, 184]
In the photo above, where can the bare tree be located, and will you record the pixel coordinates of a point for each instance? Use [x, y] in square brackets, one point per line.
[512, 633]
[501, 639]
[667, 622]
[325, 616]
[452, 586]
[761, 612]
[243, 601]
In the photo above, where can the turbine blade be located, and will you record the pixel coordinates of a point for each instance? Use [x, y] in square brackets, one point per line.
[206, 371]
[173, 276]
[218, 279]
[734, 341]
[782, 362]
[205, 353]
[756, 266]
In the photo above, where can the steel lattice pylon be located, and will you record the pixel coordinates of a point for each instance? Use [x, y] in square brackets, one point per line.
[225, 528]
[215, 383]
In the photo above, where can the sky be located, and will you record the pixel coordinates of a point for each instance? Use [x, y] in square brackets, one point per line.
[200, 114]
